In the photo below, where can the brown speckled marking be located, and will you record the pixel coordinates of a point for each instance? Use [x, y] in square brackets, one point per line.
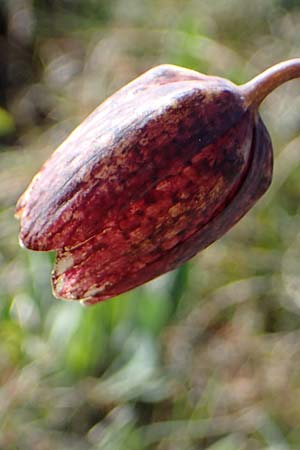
[143, 134]
[158, 172]
[131, 242]
[253, 187]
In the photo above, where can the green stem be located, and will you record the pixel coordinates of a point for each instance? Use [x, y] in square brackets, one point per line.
[256, 90]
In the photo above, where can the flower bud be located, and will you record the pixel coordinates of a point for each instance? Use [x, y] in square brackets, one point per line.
[155, 174]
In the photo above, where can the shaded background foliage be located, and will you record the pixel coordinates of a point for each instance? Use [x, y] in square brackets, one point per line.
[206, 357]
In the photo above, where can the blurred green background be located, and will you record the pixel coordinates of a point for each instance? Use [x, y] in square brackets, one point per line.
[207, 357]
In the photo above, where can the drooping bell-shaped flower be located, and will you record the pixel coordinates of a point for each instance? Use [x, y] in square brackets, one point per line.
[159, 171]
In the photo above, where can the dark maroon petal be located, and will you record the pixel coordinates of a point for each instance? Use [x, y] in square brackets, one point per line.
[138, 137]
[255, 185]
[147, 229]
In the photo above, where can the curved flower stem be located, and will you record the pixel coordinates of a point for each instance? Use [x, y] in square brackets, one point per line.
[255, 90]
